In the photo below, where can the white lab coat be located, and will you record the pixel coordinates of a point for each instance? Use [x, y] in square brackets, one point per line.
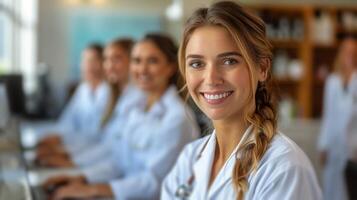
[82, 113]
[93, 149]
[146, 148]
[84, 110]
[337, 109]
[284, 173]
[352, 122]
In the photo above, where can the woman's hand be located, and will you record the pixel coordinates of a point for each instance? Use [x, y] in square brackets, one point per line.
[55, 161]
[51, 140]
[54, 183]
[83, 191]
[45, 151]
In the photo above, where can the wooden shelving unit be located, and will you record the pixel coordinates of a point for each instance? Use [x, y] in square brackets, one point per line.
[316, 58]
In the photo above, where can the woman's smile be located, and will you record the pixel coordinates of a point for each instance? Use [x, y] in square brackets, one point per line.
[217, 97]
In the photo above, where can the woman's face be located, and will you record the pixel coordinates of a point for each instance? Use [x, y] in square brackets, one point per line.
[91, 65]
[348, 55]
[149, 67]
[116, 64]
[216, 73]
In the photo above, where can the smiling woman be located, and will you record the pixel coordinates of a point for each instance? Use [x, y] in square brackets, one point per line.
[225, 59]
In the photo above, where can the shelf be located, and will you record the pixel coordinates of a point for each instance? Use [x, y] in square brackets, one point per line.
[341, 30]
[291, 44]
[308, 89]
[334, 45]
[286, 81]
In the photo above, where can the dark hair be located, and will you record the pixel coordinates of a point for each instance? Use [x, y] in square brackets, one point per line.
[124, 43]
[98, 48]
[168, 47]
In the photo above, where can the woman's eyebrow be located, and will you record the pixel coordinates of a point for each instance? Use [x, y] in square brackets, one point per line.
[194, 56]
[231, 53]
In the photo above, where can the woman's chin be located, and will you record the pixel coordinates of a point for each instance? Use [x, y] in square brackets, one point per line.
[215, 114]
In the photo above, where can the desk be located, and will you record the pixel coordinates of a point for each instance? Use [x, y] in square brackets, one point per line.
[13, 179]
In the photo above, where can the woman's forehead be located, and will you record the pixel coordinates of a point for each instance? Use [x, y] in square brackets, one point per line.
[211, 40]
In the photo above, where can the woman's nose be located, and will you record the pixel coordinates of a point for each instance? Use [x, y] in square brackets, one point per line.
[213, 76]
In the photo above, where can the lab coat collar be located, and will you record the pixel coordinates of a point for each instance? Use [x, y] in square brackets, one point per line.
[160, 107]
[128, 98]
[99, 89]
[202, 167]
[206, 161]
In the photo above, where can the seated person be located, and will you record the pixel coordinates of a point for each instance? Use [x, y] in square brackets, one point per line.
[71, 153]
[86, 105]
[147, 147]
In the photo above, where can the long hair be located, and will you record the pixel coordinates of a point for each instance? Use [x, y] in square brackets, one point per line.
[169, 48]
[126, 44]
[248, 32]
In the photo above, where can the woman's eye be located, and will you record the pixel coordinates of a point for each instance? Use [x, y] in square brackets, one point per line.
[152, 60]
[135, 60]
[195, 64]
[230, 61]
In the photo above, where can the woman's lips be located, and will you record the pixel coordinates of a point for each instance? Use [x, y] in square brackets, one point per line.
[216, 97]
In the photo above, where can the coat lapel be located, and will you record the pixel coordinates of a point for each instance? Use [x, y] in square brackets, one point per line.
[202, 169]
[225, 174]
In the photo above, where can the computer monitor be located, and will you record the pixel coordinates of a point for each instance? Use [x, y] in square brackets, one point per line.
[15, 92]
[4, 107]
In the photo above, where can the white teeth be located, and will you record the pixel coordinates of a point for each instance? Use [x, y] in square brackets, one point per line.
[216, 96]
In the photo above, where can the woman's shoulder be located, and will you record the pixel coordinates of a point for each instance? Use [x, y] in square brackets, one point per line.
[333, 80]
[286, 169]
[283, 149]
[284, 155]
[192, 149]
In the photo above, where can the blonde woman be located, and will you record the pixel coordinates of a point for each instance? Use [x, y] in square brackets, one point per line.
[225, 59]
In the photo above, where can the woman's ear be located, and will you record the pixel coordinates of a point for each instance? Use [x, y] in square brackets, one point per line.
[264, 68]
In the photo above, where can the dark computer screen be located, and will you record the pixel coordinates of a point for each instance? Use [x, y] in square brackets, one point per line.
[15, 92]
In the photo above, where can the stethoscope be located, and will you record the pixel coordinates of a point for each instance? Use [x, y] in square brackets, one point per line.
[184, 191]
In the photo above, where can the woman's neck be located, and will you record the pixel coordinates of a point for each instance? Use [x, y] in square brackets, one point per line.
[228, 135]
[94, 84]
[153, 97]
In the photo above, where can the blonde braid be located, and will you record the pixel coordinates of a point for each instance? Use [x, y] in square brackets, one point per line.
[248, 31]
[253, 149]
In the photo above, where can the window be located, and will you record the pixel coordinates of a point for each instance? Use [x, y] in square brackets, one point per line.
[18, 22]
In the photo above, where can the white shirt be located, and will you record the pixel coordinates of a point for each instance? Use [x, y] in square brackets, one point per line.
[337, 110]
[147, 148]
[82, 114]
[352, 122]
[85, 109]
[92, 150]
[284, 173]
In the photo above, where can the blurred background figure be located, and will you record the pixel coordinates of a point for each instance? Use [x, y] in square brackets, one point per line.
[157, 129]
[44, 45]
[80, 149]
[86, 106]
[338, 108]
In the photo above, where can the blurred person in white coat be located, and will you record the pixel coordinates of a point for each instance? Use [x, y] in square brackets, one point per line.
[351, 166]
[225, 58]
[82, 149]
[85, 108]
[338, 104]
[156, 131]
